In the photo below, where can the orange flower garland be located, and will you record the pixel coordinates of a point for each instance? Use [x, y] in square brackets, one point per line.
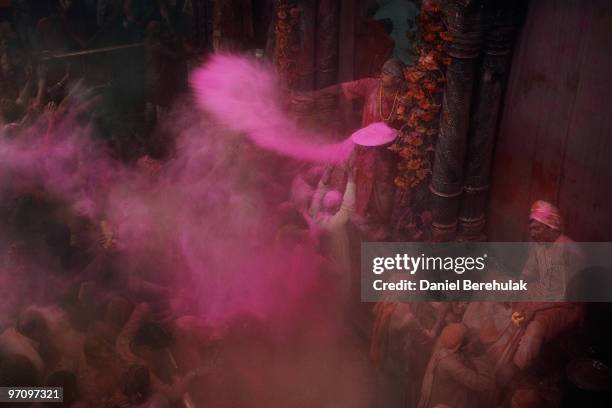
[420, 104]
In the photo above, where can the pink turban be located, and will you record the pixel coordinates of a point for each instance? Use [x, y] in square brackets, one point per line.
[547, 214]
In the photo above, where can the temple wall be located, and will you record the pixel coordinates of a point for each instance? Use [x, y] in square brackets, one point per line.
[555, 135]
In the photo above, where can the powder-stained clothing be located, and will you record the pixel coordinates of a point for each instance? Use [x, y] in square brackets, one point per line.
[552, 320]
[550, 267]
[375, 165]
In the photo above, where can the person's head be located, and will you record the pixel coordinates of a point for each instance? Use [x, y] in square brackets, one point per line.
[545, 222]
[527, 398]
[453, 336]
[31, 323]
[459, 308]
[136, 383]
[392, 73]
[11, 131]
[313, 175]
[68, 381]
[332, 201]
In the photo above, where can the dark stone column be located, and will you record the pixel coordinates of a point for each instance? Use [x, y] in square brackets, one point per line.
[202, 30]
[306, 44]
[483, 128]
[303, 105]
[328, 25]
[464, 24]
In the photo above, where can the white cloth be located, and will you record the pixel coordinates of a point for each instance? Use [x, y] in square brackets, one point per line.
[550, 267]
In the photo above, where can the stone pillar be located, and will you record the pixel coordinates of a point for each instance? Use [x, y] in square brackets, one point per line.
[202, 29]
[303, 106]
[483, 128]
[464, 24]
[328, 27]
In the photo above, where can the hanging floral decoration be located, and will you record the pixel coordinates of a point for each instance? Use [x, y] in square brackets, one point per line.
[286, 46]
[420, 104]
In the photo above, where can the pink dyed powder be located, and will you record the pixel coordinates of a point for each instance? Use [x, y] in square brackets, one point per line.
[243, 95]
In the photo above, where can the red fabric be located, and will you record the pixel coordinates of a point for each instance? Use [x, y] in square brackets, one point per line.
[369, 165]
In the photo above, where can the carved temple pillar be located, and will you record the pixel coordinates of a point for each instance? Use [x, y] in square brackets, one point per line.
[328, 27]
[303, 106]
[464, 20]
[492, 77]
[202, 28]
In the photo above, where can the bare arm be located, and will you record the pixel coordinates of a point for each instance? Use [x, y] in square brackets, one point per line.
[322, 188]
[346, 209]
[330, 90]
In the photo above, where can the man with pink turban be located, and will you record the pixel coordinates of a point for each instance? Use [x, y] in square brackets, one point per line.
[554, 258]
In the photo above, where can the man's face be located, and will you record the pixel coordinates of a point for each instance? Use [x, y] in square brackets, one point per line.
[388, 80]
[540, 232]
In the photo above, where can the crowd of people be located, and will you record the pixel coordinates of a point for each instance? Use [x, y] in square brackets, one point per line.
[71, 316]
[134, 55]
[68, 318]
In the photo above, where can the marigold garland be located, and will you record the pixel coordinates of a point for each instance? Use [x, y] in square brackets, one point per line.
[286, 47]
[420, 104]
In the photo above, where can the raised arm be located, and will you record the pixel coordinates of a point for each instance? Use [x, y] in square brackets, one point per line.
[346, 209]
[322, 188]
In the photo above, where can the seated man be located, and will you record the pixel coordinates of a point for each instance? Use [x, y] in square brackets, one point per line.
[550, 265]
[553, 259]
